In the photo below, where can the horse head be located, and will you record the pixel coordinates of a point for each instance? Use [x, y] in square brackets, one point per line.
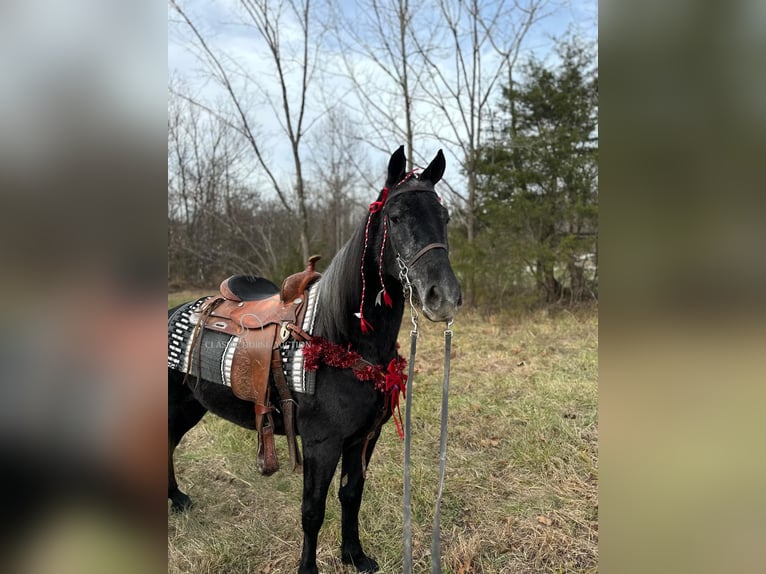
[416, 225]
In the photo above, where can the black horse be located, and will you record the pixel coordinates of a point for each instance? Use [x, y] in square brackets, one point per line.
[407, 225]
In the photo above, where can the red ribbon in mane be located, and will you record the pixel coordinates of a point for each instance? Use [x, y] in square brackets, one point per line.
[375, 207]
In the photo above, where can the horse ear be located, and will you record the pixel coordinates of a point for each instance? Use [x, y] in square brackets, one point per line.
[435, 169]
[396, 166]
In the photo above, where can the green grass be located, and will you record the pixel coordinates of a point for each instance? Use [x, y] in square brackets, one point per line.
[522, 468]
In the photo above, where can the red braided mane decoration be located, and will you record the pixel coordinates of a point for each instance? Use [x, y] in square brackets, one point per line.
[391, 381]
[383, 295]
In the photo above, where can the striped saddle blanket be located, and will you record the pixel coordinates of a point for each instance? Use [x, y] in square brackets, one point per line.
[211, 357]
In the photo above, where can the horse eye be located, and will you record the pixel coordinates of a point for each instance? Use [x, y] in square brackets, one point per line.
[395, 219]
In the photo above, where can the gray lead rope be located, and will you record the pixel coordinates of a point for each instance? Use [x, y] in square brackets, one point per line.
[436, 551]
[407, 510]
[407, 497]
[407, 505]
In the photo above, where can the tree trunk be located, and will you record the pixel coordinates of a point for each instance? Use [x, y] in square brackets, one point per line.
[469, 293]
[577, 278]
[548, 286]
[404, 10]
[300, 192]
[552, 285]
[304, 222]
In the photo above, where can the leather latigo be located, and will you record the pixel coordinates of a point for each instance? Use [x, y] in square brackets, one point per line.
[267, 452]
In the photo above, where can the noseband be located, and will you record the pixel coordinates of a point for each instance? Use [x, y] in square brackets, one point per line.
[423, 251]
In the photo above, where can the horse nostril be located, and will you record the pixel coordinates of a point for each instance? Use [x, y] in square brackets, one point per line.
[460, 300]
[434, 297]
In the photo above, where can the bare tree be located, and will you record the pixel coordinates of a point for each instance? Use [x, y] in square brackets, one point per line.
[481, 41]
[339, 176]
[383, 67]
[204, 186]
[292, 58]
[484, 41]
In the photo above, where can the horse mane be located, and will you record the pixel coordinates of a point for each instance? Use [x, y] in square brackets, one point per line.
[341, 289]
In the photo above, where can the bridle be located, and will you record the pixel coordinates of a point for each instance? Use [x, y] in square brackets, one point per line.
[401, 262]
[404, 268]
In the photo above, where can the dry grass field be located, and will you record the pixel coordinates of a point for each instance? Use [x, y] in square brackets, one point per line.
[522, 473]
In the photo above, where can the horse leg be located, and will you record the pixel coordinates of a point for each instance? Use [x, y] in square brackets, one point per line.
[350, 495]
[320, 458]
[183, 413]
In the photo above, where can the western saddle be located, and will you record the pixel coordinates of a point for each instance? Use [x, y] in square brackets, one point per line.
[263, 317]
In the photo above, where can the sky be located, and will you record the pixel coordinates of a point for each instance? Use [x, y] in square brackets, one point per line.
[218, 22]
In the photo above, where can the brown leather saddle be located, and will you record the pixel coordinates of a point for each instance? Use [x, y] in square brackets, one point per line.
[263, 317]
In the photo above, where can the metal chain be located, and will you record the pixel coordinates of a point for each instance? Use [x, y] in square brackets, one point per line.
[404, 278]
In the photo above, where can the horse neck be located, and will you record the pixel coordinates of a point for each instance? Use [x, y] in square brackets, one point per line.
[341, 294]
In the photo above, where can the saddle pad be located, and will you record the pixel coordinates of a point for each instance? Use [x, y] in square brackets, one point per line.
[213, 360]
[180, 330]
[298, 379]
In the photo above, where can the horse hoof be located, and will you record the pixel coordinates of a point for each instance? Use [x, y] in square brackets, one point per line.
[180, 502]
[363, 563]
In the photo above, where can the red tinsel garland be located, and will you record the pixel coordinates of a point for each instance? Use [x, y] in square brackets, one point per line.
[391, 381]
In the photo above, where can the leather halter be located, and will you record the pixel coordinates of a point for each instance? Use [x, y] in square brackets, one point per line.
[425, 250]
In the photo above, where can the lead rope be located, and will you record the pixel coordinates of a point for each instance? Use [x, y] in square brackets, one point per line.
[436, 551]
[407, 498]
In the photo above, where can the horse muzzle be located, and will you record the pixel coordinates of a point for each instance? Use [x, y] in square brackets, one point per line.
[441, 299]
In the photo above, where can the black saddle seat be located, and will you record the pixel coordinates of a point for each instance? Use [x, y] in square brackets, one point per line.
[250, 287]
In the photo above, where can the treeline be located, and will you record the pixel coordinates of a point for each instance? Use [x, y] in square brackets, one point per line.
[220, 223]
[536, 236]
[243, 236]
[521, 137]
